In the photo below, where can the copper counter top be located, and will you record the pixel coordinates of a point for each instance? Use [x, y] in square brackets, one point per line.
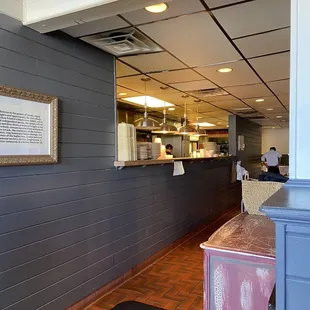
[252, 234]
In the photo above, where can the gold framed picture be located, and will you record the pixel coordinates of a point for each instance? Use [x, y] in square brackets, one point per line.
[28, 127]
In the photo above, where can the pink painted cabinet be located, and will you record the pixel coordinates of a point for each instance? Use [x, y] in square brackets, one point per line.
[240, 274]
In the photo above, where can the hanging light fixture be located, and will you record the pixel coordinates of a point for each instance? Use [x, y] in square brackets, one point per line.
[199, 131]
[164, 127]
[146, 123]
[186, 129]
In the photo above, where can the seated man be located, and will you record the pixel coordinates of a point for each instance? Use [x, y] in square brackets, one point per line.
[271, 160]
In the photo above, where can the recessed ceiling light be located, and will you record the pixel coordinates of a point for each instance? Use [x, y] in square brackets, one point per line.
[171, 109]
[164, 87]
[225, 70]
[279, 116]
[157, 8]
[205, 124]
[219, 123]
[270, 109]
[199, 117]
[243, 109]
[150, 101]
[260, 100]
[122, 94]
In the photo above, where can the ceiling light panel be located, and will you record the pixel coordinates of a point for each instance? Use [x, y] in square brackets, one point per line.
[134, 83]
[193, 45]
[254, 17]
[96, 26]
[280, 87]
[194, 85]
[124, 70]
[241, 74]
[175, 8]
[266, 43]
[273, 67]
[151, 102]
[170, 77]
[153, 62]
[249, 91]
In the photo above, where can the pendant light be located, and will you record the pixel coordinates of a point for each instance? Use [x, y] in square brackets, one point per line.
[186, 129]
[199, 131]
[164, 127]
[146, 123]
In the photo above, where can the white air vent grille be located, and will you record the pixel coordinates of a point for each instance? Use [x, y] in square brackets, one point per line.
[123, 42]
[203, 93]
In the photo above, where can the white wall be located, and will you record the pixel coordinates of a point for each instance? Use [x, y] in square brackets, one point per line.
[13, 8]
[278, 138]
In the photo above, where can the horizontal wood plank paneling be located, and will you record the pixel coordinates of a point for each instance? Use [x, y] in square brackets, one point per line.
[68, 229]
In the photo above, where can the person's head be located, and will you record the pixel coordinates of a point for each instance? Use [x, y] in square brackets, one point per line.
[273, 149]
[169, 148]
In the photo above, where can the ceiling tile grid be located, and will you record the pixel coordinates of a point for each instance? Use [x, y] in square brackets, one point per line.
[195, 48]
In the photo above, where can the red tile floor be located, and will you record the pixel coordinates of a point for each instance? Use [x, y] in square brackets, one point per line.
[173, 282]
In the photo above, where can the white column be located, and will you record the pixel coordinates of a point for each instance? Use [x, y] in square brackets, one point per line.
[300, 90]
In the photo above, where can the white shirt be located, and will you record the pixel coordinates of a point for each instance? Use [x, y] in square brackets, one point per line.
[272, 158]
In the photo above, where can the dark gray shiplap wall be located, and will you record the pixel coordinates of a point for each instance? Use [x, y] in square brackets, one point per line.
[68, 229]
[252, 132]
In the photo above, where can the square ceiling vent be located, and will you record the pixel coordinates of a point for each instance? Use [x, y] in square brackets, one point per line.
[123, 42]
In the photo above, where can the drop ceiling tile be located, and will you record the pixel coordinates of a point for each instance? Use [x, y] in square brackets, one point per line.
[242, 74]
[231, 105]
[134, 83]
[216, 3]
[153, 62]
[285, 99]
[266, 43]
[176, 76]
[278, 109]
[199, 43]
[269, 101]
[249, 91]
[96, 26]
[274, 116]
[280, 87]
[124, 70]
[219, 98]
[175, 8]
[206, 107]
[254, 17]
[273, 67]
[194, 85]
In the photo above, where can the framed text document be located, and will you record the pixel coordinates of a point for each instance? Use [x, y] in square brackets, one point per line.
[28, 127]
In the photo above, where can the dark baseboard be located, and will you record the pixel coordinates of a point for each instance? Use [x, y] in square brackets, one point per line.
[84, 303]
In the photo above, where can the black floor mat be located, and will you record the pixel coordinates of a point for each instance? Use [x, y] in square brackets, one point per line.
[133, 305]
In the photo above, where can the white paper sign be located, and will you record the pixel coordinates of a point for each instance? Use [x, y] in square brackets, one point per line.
[178, 168]
[24, 127]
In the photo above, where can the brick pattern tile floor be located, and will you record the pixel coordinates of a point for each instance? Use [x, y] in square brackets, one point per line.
[173, 282]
